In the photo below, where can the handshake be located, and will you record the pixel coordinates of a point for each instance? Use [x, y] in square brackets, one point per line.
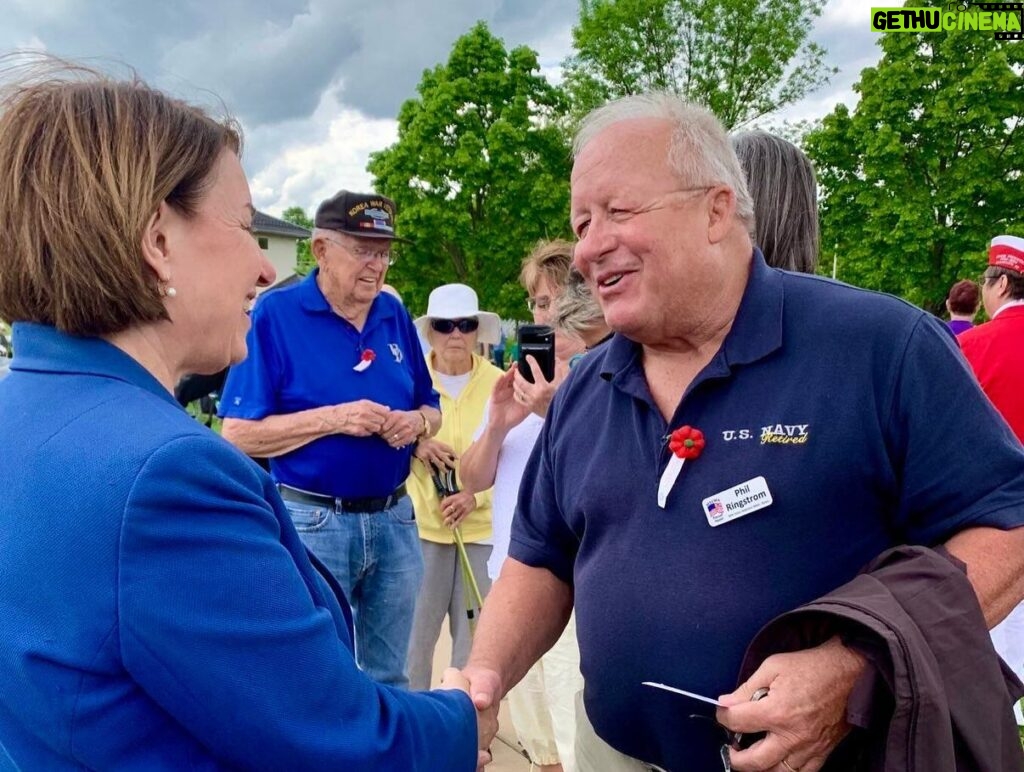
[484, 688]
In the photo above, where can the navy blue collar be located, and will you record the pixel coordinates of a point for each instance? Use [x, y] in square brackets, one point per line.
[756, 332]
[45, 349]
[312, 299]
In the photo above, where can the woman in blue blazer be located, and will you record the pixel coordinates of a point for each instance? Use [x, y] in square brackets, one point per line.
[157, 609]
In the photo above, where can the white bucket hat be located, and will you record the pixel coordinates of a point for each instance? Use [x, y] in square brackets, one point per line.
[457, 301]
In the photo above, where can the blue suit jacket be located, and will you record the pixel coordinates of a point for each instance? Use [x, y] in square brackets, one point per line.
[157, 608]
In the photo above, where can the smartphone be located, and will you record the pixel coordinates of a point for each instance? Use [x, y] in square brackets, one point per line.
[538, 341]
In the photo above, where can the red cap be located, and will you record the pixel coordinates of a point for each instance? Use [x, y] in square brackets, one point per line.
[1007, 252]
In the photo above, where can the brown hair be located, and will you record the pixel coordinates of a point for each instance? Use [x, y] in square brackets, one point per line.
[781, 182]
[552, 259]
[963, 297]
[86, 162]
[1014, 280]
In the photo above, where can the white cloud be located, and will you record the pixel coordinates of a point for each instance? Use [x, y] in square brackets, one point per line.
[305, 171]
[279, 65]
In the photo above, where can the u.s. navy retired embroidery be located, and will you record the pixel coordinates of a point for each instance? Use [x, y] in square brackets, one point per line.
[772, 434]
[784, 434]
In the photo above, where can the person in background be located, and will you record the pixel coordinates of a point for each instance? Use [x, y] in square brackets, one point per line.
[164, 614]
[995, 351]
[692, 479]
[453, 324]
[336, 392]
[781, 182]
[543, 705]
[578, 314]
[962, 305]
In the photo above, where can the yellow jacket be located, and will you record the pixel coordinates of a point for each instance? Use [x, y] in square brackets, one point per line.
[460, 419]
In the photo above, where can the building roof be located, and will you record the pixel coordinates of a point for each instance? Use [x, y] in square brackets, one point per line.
[272, 226]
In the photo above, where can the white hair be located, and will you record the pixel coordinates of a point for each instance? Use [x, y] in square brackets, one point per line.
[699, 151]
[577, 310]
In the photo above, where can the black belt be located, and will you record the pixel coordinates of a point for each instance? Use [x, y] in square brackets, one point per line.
[339, 505]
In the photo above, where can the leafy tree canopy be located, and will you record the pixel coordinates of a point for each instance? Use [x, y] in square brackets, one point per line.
[927, 168]
[740, 58]
[480, 173]
[304, 260]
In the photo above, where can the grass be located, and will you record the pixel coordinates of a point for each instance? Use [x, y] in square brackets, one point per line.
[194, 410]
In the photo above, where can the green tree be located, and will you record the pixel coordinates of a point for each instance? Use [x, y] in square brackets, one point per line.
[741, 58]
[927, 168]
[479, 172]
[304, 260]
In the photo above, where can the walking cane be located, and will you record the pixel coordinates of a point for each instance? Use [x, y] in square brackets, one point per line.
[445, 485]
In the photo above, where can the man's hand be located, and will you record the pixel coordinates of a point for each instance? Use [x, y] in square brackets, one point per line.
[437, 453]
[486, 719]
[456, 507]
[804, 712]
[362, 418]
[485, 691]
[401, 427]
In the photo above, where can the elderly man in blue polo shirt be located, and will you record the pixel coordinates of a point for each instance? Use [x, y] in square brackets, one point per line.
[747, 441]
[335, 392]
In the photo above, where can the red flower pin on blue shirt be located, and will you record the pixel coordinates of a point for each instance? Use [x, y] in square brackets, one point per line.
[686, 443]
[365, 360]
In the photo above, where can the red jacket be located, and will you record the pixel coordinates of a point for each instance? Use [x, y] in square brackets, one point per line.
[995, 351]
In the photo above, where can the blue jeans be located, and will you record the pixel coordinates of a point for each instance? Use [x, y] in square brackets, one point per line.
[376, 558]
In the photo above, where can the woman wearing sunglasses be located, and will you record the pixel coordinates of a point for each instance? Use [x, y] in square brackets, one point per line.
[453, 325]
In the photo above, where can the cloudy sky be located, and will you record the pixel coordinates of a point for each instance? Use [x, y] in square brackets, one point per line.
[317, 83]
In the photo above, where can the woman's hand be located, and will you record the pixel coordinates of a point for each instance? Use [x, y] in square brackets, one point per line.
[505, 411]
[456, 507]
[537, 396]
[435, 452]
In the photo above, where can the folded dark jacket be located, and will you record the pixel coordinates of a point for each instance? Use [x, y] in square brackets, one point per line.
[944, 699]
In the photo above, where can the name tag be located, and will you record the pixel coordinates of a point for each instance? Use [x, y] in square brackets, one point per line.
[737, 501]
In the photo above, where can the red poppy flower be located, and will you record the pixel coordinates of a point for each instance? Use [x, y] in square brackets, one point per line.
[367, 355]
[686, 442]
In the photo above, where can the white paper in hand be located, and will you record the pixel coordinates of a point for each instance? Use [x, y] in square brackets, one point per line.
[685, 693]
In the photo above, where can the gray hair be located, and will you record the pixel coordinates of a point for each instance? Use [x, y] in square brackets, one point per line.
[699, 151]
[577, 310]
[781, 179]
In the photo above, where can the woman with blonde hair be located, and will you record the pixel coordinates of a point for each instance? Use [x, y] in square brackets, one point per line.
[158, 610]
[543, 704]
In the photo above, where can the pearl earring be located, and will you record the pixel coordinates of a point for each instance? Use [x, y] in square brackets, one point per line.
[171, 292]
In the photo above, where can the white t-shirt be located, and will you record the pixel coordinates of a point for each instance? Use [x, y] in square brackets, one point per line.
[515, 452]
[454, 384]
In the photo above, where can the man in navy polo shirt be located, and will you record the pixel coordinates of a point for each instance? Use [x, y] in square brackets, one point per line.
[813, 426]
[335, 392]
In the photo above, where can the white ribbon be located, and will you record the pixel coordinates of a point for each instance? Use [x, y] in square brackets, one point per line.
[668, 478]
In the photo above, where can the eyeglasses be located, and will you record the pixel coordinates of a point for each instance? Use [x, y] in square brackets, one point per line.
[364, 254]
[448, 326]
[538, 304]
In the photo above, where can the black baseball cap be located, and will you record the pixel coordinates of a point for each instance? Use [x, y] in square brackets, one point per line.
[366, 215]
